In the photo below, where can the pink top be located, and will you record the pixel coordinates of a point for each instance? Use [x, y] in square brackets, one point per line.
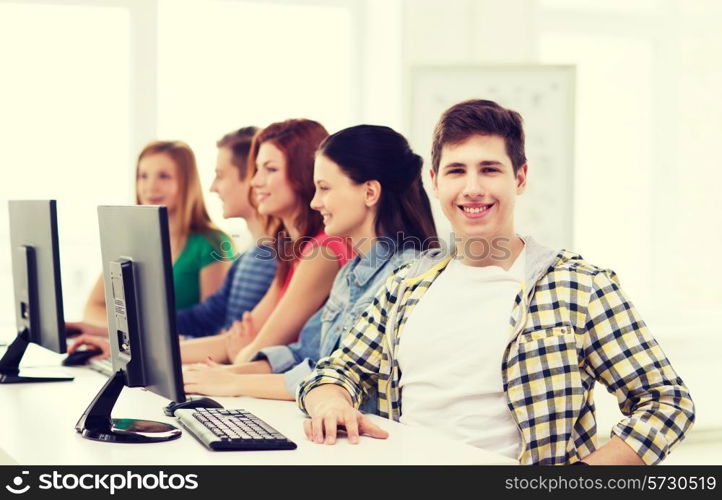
[329, 246]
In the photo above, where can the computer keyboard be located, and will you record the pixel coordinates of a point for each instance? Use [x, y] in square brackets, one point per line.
[223, 429]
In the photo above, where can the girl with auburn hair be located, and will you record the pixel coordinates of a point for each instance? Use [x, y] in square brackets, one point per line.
[166, 174]
[368, 191]
[280, 166]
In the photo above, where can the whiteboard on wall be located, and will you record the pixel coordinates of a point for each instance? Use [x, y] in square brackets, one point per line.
[544, 95]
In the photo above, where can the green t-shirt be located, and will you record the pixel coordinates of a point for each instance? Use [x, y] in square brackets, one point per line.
[197, 254]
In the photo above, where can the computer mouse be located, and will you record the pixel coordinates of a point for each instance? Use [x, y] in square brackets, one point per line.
[80, 357]
[190, 403]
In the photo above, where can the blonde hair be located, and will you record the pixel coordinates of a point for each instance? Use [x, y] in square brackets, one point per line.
[192, 214]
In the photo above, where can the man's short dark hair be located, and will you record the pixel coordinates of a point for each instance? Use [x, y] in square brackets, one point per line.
[239, 143]
[478, 116]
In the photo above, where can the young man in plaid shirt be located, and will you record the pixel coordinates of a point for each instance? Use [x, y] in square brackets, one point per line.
[504, 350]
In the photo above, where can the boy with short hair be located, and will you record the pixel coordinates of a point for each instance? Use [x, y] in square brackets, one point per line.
[253, 271]
[500, 342]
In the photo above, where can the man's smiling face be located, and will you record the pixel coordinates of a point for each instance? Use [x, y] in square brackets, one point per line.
[477, 187]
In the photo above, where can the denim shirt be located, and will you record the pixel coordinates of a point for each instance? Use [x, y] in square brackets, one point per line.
[353, 290]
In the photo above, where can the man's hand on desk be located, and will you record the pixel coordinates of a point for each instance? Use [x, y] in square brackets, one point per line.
[92, 342]
[330, 409]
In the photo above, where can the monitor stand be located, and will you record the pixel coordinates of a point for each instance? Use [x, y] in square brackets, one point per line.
[10, 364]
[97, 424]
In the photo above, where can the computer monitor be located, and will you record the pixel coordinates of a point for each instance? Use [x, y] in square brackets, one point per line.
[38, 291]
[138, 278]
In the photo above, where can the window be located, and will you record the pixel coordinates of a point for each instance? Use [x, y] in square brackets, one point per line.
[228, 64]
[86, 83]
[65, 126]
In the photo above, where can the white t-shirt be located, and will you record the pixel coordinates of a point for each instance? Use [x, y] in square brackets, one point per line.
[450, 355]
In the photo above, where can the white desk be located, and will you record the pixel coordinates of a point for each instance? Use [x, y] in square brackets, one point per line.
[37, 426]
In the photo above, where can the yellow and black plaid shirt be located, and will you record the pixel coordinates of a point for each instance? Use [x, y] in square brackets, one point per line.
[572, 327]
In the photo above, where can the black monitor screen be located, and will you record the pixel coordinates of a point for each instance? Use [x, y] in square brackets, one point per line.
[36, 272]
[139, 235]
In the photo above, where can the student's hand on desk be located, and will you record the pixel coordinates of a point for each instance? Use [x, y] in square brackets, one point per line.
[216, 381]
[92, 342]
[83, 328]
[329, 414]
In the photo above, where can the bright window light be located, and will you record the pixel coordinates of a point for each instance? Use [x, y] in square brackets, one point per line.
[65, 129]
[224, 65]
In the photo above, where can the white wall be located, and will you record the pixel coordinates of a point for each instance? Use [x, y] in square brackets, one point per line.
[469, 31]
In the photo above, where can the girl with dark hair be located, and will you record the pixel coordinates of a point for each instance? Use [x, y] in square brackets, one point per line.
[368, 191]
[280, 166]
